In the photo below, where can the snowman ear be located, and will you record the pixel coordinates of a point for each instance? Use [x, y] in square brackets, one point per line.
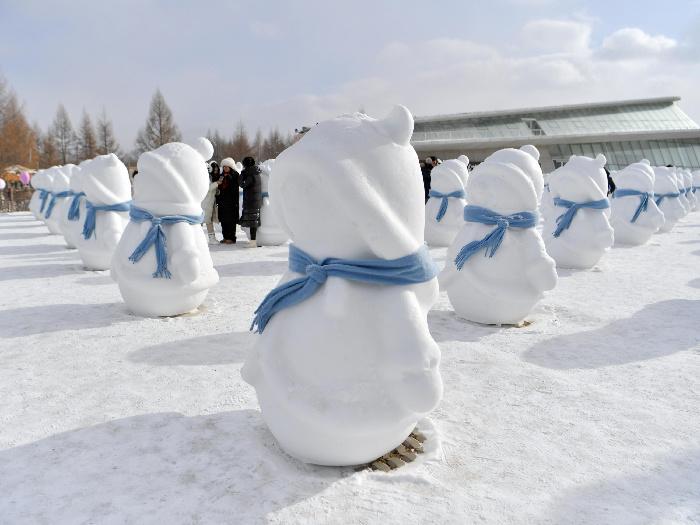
[202, 146]
[463, 159]
[399, 124]
[646, 161]
[601, 160]
[531, 150]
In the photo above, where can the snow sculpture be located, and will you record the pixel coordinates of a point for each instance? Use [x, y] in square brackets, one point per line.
[443, 211]
[497, 267]
[667, 197]
[38, 201]
[634, 215]
[576, 230]
[107, 188]
[73, 213]
[690, 193]
[344, 368]
[270, 233]
[162, 264]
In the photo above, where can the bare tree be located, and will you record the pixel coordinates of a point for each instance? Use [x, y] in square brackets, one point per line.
[106, 142]
[240, 145]
[160, 126]
[87, 140]
[62, 135]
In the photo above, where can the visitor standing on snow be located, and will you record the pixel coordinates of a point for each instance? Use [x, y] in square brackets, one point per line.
[426, 169]
[227, 200]
[209, 202]
[252, 198]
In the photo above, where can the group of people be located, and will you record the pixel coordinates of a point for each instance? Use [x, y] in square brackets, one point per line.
[222, 201]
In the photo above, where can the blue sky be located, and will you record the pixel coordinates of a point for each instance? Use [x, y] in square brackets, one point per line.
[293, 63]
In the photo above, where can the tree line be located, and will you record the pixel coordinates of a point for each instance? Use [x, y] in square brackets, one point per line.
[28, 145]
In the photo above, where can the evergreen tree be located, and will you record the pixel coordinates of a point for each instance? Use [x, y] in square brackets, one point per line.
[87, 140]
[62, 135]
[106, 143]
[160, 126]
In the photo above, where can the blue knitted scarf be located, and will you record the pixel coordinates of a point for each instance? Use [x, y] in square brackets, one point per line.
[411, 269]
[658, 197]
[156, 237]
[457, 194]
[564, 220]
[643, 201]
[493, 240]
[92, 209]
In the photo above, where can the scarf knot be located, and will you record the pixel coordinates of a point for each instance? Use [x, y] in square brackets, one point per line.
[493, 240]
[565, 219]
[457, 194]
[156, 237]
[91, 215]
[643, 200]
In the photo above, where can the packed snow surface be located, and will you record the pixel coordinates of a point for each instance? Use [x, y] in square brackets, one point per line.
[589, 415]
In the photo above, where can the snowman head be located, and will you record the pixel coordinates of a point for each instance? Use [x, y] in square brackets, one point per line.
[352, 187]
[76, 180]
[105, 180]
[173, 179]
[49, 175]
[38, 180]
[665, 180]
[61, 177]
[527, 159]
[582, 179]
[504, 186]
[696, 178]
[449, 176]
[638, 176]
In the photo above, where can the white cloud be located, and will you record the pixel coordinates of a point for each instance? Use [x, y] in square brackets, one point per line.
[632, 42]
[556, 36]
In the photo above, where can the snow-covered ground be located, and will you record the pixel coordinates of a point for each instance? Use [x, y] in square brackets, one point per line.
[589, 415]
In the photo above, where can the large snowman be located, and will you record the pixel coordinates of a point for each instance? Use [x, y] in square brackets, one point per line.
[667, 197]
[443, 211]
[634, 215]
[73, 213]
[162, 264]
[346, 366]
[497, 267]
[576, 229]
[105, 182]
[270, 232]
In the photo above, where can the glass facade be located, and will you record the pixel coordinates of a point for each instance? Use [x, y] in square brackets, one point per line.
[661, 115]
[682, 153]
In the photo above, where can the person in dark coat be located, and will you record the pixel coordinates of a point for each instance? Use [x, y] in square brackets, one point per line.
[611, 183]
[252, 198]
[425, 169]
[227, 200]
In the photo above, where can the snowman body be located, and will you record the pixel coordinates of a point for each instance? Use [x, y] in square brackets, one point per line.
[72, 229]
[665, 182]
[337, 383]
[49, 176]
[501, 289]
[448, 177]
[270, 233]
[590, 235]
[105, 181]
[55, 207]
[38, 182]
[172, 180]
[628, 229]
[689, 190]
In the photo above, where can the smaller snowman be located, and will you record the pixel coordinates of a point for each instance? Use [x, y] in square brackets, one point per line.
[107, 188]
[73, 213]
[497, 267]
[270, 232]
[576, 230]
[40, 196]
[443, 211]
[162, 263]
[689, 190]
[696, 185]
[667, 197]
[682, 193]
[61, 193]
[47, 197]
[634, 216]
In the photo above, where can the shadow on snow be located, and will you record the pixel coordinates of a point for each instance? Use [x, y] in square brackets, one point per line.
[216, 349]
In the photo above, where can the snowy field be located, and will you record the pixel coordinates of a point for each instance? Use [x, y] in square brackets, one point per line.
[591, 414]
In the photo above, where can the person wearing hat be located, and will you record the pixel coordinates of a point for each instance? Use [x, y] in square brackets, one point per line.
[227, 200]
[252, 198]
[209, 202]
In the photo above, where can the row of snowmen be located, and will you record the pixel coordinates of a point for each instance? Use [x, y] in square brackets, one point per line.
[517, 262]
[153, 242]
[337, 383]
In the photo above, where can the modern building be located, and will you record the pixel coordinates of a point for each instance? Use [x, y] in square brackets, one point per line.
[625, 132]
